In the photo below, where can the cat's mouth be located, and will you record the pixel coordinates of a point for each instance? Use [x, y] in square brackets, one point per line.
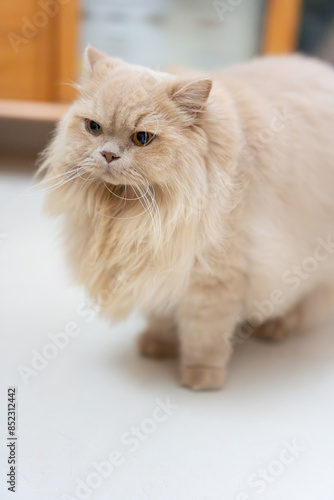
[117, 176]
[111, 175]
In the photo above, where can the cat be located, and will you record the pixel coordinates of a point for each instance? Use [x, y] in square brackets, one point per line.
[207, 202]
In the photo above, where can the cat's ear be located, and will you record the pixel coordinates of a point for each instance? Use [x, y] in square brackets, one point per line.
[190, 96]
[93, 56]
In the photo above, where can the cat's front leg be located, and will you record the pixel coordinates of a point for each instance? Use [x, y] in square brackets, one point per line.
[207, 319]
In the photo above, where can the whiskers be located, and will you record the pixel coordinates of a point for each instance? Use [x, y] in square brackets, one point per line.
[145, 194]
[138, 191]
[148, 202]
[51, 183]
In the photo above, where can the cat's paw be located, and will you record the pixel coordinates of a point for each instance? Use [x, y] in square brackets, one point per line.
[152, 344]
[202, 378]
[275, 329]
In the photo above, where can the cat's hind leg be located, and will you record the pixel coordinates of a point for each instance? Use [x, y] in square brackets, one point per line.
[160, 339]
[313, 309]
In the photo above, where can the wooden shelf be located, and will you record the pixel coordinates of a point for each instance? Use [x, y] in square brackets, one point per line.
[32, 110]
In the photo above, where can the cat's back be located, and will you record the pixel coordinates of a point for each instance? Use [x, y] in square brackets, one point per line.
[285, 107]
[273, 75]
[299, 89]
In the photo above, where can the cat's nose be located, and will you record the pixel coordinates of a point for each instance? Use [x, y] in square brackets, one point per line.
[109, 156]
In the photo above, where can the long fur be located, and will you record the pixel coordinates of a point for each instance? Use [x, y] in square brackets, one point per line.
[234, 190]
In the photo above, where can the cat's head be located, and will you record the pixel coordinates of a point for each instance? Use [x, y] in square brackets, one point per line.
[131, 125]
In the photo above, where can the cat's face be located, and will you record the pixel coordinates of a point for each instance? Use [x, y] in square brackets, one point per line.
[134, 126]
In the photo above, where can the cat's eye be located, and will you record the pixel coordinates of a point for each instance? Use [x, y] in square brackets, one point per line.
[142, 138]
[93, 127]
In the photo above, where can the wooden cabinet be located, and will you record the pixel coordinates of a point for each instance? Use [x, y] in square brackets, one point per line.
[38, 49]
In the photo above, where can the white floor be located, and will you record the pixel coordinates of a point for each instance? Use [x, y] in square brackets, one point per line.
[275, 417]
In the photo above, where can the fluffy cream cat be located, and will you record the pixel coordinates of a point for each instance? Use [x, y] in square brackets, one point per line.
[208, 203]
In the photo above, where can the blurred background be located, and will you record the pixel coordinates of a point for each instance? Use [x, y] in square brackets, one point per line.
[42, 42]
[73, 410]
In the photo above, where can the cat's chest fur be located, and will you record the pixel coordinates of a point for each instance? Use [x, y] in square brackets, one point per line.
[123, 267]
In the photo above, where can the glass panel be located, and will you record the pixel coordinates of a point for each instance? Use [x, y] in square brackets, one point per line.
[317, 29]
[194, 33]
